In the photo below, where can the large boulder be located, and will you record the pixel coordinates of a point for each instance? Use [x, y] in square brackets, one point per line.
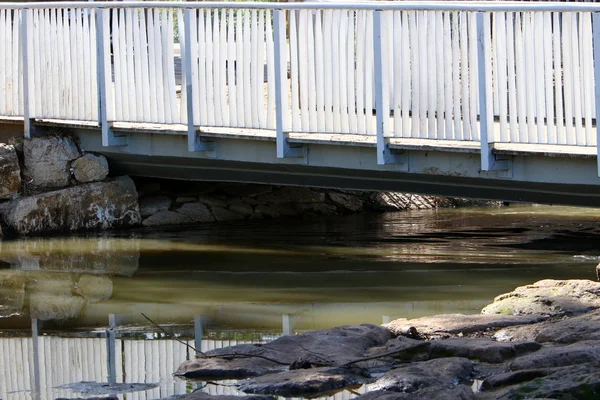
[10, 172]
[90, 168]
[548, 297]
[335, 346]
[48, 161]
[100, 205]
[150, 205]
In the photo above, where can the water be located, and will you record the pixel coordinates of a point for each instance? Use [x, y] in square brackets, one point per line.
[250, 281]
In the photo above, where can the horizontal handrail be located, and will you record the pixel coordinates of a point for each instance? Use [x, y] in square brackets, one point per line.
[475, 6]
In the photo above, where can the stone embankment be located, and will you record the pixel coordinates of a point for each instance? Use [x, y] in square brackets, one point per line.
[539, 341]
[50, 184]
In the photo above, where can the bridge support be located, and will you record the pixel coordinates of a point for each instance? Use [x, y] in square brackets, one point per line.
[102, 67]
[489, 161]
[596, 46]
[385, 155]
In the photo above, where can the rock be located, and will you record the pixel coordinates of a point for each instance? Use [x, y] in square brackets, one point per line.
[317, 209]
[514, 377]
[185, 199]
[48, 307]
[10, 172]
[144, 189]
[395, 201]
[274, 211]
[559, 356]
[167, 218]
[338, 345]
[295, 195]
[48, 160]
[455, 324]
[460, 392]
[485, 350]
[196, 212]
[239, 207]
[574, 382]
[222, 214]
[403, 348]
[548, 297]
[346, 201]
[151, 205]
[90, 168]
[197, 395]
[443, 373]
[211, 201]
[94, 288]
[309, 383]
[99, 205]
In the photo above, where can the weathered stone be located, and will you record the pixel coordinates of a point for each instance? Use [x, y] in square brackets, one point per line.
[167, 218]
[239, 207]
[275, 210]
[548, 297]
[444, 373]
[402, 348]
[574, 382]
[10, 172]
[514, 377]
[185, 199]
[90, 168]
[244, 190]
[347, 201]
[317, 209]
[460, 392]
[211, 201]
[196, 212]
[100, 205]
[222, 214]
[48, 160]
[485, 350]
[559, 356]
[454, 324]
[150, 205]
[309, 383]
[94, 288]
[395, 201]
[338, 345]
[289, 194]
[198, 395]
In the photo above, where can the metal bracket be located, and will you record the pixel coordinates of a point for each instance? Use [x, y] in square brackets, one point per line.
[202, 144]
[387, 156]
[110, 139]
[285, 149]
[503, 165]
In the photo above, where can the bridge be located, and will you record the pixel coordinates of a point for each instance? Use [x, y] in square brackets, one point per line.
[476, 99]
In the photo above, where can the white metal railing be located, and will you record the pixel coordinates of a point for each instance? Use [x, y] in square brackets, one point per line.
[513, 72]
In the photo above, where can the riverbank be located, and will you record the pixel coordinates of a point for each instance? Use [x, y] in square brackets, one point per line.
[51, 184]
[539, 341]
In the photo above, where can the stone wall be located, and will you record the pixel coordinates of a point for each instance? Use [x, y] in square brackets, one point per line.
[49, 184]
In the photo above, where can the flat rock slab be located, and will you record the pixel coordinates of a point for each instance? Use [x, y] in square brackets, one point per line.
[105, 388]
[454, 324]
[444, 373]
[308, 383]
[575, 382]
[486, 350]
[206, 396]
[335, 346]
[560, 356]
[548, 297]
[460, 392]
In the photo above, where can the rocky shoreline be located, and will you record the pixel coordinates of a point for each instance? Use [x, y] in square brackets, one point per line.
[49, 184]
[539, 341]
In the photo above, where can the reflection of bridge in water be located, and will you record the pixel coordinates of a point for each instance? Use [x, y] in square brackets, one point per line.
[34, 367]
[493, 100]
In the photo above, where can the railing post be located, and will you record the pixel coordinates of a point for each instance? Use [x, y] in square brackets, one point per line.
[596, 45]
[284, 150]
[28, 127]
[385, 155]
[195, 143]
[488, 159]
[108, 136]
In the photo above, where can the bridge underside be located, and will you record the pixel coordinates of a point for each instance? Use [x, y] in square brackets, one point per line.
[536, 174]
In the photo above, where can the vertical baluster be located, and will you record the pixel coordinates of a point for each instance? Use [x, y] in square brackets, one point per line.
[336, 66]
[447, 67]
[369, 105]
[210, 82]
[231, 86]
[432, 57]
[249, 114]
[294, 69]
[143, 59]
[473, 76]
[465, 76]
[271, 71]
[303, 69]
[587, 75]
[456, 76]
[397, 66]
[423, 71]
[169, 67]
[152, 69]
[539, 65]
[350, 74]
[407, 72]
[137, 65]
[311, 60]
[219, 117]
[575, 42]
[547, 42]
[501, 51]
[160, 72]
[568, 75]
[360, 70]
[320, 72]
[439, 66]
[240, 66]
[558, 86]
